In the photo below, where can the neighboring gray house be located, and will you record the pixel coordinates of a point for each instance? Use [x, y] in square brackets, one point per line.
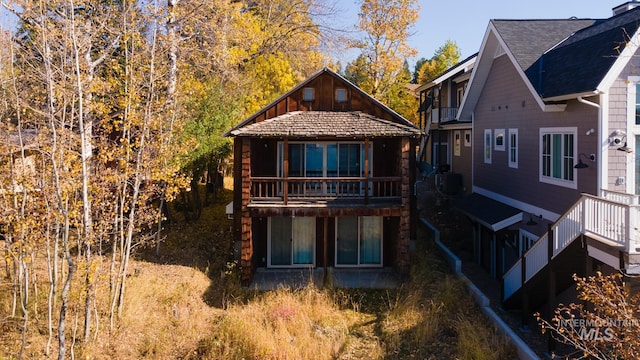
[555, 113]
[447, 141]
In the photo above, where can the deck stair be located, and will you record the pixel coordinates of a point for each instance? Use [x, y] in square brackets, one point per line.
[613, 219]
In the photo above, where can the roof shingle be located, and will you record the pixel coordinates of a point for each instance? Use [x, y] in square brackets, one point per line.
[314, 124]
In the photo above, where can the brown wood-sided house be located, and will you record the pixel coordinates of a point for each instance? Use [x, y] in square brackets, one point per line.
[323, 177]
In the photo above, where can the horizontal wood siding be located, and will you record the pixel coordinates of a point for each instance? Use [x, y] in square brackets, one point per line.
[507, 103]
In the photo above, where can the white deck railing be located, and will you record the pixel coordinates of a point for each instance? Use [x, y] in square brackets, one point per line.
[613, 218]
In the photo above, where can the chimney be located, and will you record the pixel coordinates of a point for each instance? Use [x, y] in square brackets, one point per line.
[625, 7]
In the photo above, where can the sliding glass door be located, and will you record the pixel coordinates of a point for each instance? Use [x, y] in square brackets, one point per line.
[359, 241]
[291, 241]
[326, 160]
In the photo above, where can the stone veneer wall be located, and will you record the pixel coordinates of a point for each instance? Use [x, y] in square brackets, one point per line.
[246, 253]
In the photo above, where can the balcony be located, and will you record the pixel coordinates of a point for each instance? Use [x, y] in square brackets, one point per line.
[349, 190]
[448, 113]
[443, 114]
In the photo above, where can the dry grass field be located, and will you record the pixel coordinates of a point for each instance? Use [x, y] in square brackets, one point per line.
[186, 303]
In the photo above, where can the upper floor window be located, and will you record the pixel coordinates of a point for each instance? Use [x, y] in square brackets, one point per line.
[341, 95]
[325, 159]
[459, 95]
[513, 148]
[308, 94]
[456, 143]
[487, 146]
[500, 140]
[557, 156]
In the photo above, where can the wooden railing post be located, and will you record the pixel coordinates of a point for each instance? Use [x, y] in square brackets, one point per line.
[285, 170]
[366, 170]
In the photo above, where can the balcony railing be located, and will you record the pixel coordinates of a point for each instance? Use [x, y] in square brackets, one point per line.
[282, 190]
[448, 113]
[613, 219]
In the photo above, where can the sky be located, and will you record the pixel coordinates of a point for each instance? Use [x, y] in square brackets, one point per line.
[465, 21]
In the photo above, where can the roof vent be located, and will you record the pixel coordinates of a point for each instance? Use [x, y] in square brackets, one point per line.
[625, 7]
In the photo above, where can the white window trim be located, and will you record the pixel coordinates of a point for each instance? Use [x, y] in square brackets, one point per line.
[633, 130]
[487, 141]
[513, 163]
[467, 138]
[457, 142]
[572, 184]
[358, 265]
[499, 133]
[459, 96]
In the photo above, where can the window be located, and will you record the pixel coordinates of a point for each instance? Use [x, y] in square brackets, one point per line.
[499, 146]
[456, 143]
[308, 94]
[459, 95]
[557, 156]
[291, 241]
[467, 138]
[513, 148]
[325, 159]
[487, 146]
[359, 241]
[637, 104]
[341, 95]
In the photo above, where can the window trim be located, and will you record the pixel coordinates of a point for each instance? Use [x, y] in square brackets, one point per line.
[280, 149]
[513, 162]
[359, 264]
[467, 138]
[339, 91]
[573, 183]
[499, 135]
[633, 131]
[488, 141]
[457, 140]
[291, 265]
[308, 94]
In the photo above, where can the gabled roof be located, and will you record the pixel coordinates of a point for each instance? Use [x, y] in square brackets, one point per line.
[461, 67]
[581, 62]
[314, 124]
[397, 117]
[557, 59]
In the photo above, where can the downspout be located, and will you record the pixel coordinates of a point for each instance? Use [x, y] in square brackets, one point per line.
[599, 152]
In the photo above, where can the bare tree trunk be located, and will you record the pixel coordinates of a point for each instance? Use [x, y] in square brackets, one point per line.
[87, 148]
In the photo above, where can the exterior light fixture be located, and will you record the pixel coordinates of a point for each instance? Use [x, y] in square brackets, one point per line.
[625, 148]
[580, 164]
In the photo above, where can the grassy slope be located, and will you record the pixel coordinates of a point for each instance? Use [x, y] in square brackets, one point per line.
[186, 303]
